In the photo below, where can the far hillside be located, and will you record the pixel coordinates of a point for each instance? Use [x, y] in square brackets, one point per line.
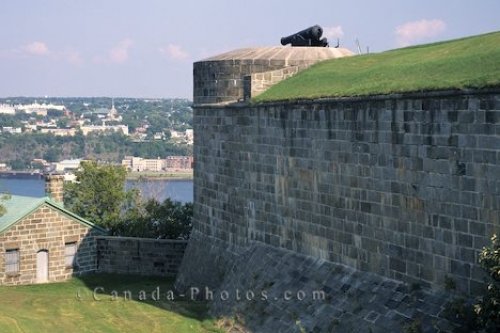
[467, 63]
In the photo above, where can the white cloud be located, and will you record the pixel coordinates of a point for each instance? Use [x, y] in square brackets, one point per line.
[415, 31]
[27, 51]
[175, 52]
[36, 48]
[333, 32]
[74, 58]
[119, 53]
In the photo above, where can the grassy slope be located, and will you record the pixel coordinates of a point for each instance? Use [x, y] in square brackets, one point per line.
[55, 308]
[472, 62]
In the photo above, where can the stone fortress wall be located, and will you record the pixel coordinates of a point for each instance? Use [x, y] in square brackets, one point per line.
[310, 193]
[142, 256]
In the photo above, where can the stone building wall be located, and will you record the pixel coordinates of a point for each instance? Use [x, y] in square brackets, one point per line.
[403, 186]
[47, 229]
[143, 256]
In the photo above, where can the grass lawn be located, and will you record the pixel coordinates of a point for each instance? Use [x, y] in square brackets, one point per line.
[472, 62]
[57, 308]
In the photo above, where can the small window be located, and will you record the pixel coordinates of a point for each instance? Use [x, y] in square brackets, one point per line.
[12, 261]
[69, 253]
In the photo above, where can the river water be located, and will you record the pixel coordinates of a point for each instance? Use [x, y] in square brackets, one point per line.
[177, 190]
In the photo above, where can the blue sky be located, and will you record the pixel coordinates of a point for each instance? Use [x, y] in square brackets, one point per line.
[146, 48]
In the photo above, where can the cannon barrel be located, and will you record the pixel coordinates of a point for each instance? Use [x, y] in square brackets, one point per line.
[307, 37]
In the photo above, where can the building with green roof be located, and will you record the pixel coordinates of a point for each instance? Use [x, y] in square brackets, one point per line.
[41, 241]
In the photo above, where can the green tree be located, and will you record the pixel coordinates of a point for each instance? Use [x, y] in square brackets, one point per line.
[19, 164]
[52, 155]
[98, 194]
[63, 122]
[3, 197]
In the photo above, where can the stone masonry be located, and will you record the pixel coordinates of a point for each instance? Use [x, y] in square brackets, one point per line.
[142, 256]
[54, 187]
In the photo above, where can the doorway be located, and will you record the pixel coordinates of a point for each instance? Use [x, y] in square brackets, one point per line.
[42, 266]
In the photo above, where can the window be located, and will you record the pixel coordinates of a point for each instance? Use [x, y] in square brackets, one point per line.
[70, 252]
[12, 261]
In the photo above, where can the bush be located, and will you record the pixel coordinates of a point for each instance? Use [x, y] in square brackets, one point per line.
[488, 308]
[168, 220]
[484, 314]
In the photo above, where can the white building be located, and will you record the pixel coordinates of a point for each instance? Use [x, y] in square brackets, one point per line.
[30, 127]
[59, 131]
[103, 128]
[12, 130]
[176, 135]
[186, 136]
[189, 136]
[140, 164]
[39, 109]
[67, 165]
[7, 109]
[171, 163]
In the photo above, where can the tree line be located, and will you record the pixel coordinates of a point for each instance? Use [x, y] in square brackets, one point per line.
[20, 149]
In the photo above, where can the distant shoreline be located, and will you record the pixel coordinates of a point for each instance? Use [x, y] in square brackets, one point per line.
[160, 175]
[20, 175]
[130, 175]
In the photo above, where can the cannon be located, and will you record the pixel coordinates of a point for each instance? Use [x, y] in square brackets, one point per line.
[307, 37]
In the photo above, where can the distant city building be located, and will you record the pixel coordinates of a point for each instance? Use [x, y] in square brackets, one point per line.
[171, 163]
[59, 131]
[39, 109]
[29, 127]
[66, 165]
[103, 128]
[140, 164]
[131, 163]
[12, 130]
[159, 136]
[186, 136]
[108, 114]
[176, 135]
[175, 163]
[113, 113]
[3, 166]
[7, 109]
[51, 124]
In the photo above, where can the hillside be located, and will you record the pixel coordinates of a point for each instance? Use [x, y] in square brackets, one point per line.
[472, 62]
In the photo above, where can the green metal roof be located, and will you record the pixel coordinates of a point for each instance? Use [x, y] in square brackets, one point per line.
[20, 206]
